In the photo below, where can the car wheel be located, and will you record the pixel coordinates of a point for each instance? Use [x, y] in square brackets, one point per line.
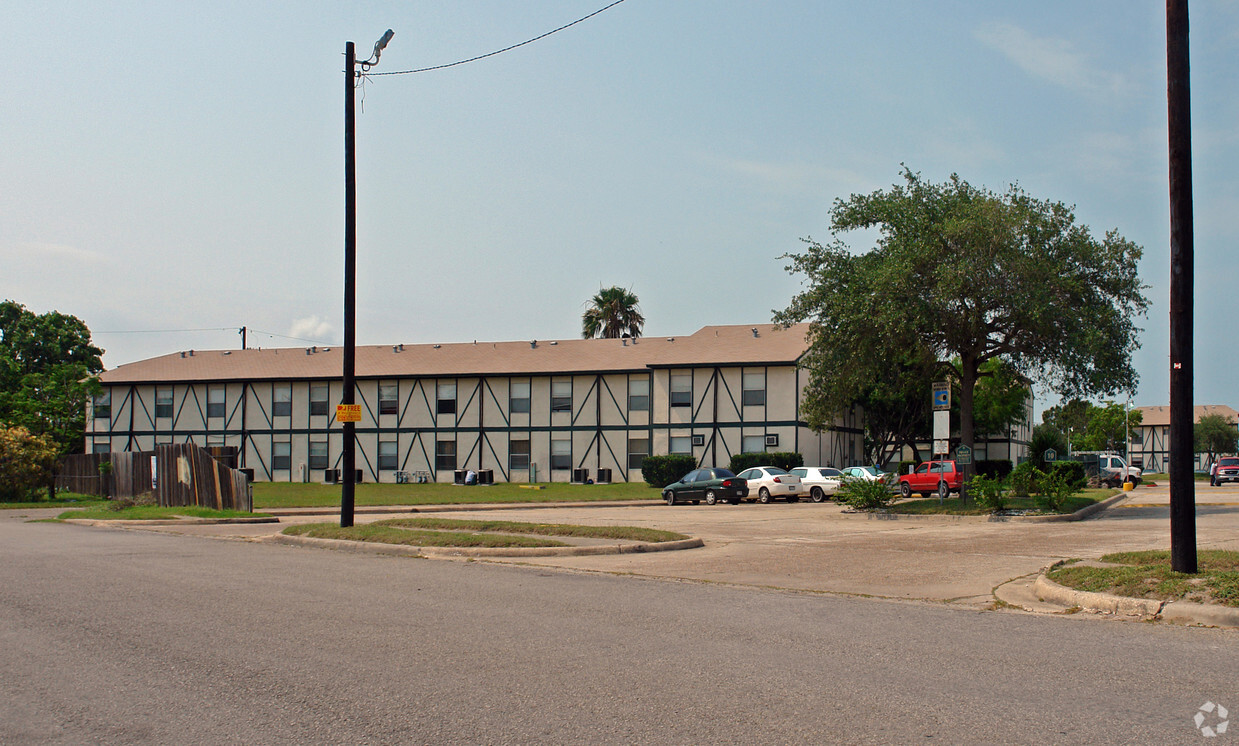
[669, 497]
[817, 494]
[943, 491]
[1135, 481]
[905, 490]
[763, 495]
[711, 498]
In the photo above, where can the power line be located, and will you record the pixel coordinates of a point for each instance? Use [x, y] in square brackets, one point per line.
[285, 336]
[498, 51]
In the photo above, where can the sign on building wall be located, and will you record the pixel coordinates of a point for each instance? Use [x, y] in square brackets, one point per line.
[348, 413]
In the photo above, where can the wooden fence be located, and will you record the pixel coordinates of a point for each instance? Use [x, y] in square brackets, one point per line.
[178, 474]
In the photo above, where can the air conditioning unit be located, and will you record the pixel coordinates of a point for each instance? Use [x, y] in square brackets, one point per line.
[699, 440]
[604, 476]
[772, 439]
[580, 476]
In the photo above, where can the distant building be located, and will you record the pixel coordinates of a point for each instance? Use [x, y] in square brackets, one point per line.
[553, 410]
[1150, 442]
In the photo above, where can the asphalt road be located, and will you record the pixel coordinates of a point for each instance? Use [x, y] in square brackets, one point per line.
[115, 636]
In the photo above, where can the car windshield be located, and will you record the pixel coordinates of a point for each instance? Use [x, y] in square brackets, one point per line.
[1229, 462]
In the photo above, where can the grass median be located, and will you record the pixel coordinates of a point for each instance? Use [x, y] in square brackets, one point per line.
[152, 513]
[312, 495]
[443, 532]
[1148, 575]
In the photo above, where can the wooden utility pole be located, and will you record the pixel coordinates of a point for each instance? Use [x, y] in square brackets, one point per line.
[350, 282]
[1182, 268]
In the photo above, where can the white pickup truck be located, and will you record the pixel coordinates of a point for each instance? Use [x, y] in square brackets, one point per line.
[1113, 470]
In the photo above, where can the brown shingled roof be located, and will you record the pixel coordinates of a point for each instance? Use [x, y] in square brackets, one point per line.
[1160, 416]
[721, 345]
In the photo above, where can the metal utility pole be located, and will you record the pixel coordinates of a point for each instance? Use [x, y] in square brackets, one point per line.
[351, 74]
[1182, 269]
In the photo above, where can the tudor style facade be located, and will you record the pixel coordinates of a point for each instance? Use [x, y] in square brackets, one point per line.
[1150, 441]
[539, 410]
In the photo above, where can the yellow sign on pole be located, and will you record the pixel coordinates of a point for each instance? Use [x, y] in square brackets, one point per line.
[348, 413]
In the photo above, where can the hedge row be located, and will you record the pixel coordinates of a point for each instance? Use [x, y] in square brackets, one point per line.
[660, 471]
[783, 460]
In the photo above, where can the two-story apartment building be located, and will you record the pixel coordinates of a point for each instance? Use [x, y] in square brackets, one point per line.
[536, 410]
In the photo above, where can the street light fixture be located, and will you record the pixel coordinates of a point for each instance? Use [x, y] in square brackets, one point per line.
[351, 74]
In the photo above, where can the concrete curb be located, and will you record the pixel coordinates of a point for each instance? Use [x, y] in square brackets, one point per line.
[1080, 515]
[188, 521]
[1176, 612]
[368, 547]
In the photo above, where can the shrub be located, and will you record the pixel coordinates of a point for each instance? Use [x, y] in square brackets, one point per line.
[27, 462]
[988, 491]
[995, 468]
[1046, 436]
[1074, 471]
[1056, 488]
[1025, 479]
[783, 460]
[862, 494]
[660, 471]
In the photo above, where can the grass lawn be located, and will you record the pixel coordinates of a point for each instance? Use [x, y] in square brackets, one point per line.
[1148, 575]
[152, 512]
[312, 495]
[437, 532]
[63, 500]
[953, 506]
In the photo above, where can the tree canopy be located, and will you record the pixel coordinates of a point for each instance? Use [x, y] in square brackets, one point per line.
[1214, 434]
[962, 272]
[612, 313]
[47, 369]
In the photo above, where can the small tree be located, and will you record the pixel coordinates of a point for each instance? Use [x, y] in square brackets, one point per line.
[1044, 437]
[1214, 434]
[27, 462]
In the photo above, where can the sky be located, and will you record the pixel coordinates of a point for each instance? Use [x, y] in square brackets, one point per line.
[175, 171]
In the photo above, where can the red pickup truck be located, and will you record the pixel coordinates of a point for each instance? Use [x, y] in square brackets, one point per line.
[941, 477]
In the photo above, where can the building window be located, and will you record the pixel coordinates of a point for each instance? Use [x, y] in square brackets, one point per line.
[518, 454]
[100, 447]
[561, 397]
[387, 455]
[445, 455]
[754, 394]
[318, 454]
[103, 405]
[446, 398]
[519, 397]
[389, 398]
[561, 453]
[318, 400]
[215, 401]
[754, 444]
[681, 444]
[638, 449]
[638, 395]
[282, 400]
[281, 456]
[681, 389]
[163, 403]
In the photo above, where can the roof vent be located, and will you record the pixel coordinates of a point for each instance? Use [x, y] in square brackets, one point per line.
[670, 339]
[395, 348]
[554, 343]
[402, 346]
[314, 348]
[307, 350]
[227, 352]
[182, 353]
[533, 343]
[191, 353]
[754, 331]
[438, 346]
[326, 349]
[624, 340]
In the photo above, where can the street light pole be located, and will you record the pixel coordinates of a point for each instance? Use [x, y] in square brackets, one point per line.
[350, 266]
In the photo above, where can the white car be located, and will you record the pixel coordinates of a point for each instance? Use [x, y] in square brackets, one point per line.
[867, 473]
[821, 481]
[768, 482]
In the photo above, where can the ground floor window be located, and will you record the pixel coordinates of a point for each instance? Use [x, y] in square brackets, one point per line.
[445, 455]
[561, 453]
[518, 454]
[318, 455]
[387, 455]
[638, 449]
[281, 456]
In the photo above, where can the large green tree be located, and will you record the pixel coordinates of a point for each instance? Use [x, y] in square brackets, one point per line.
[613, 313]
[47, 373]
[1215, 434]
[963, 272]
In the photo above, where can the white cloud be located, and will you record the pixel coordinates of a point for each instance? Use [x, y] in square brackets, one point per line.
[311, 327]
[1057, 61]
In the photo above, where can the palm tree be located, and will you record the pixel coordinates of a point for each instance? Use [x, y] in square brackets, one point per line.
[612, 313]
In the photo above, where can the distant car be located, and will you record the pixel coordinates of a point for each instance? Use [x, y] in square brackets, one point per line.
[710, 484]
[867, 473]
[941, 477]
[1225, 470]
[769, 482]
[821, 481]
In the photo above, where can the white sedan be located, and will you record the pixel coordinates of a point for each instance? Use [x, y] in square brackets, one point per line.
[769, 482]
[866, 473]
[821, 481]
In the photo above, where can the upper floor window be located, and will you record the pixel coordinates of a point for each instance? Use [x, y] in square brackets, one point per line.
[282, 400]
[638, 394]
[561, 397]
[318, 400]
[103, 405]
[163, 402]
[519, 397]
[215, 401]
[446, 398]
[389, 398]
[754, 394]
[681, 389]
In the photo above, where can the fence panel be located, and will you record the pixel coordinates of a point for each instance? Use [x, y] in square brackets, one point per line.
[186, 474]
